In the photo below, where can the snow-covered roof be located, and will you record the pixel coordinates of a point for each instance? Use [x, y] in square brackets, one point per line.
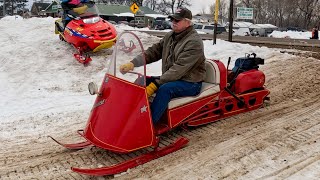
[271, 26]
[10, 18]
[156, 15]
[241, 24]
[257, 26]
[132, 15]
[124, 14]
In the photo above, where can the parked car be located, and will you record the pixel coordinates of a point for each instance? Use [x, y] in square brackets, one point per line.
[198, 26]
[137, 23]
[158, 21]
[163, 25]
[209, 29]
[259, 32]
[295, 29]
[262, 32]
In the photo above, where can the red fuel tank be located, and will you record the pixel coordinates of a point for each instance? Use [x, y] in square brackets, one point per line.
[249, 80]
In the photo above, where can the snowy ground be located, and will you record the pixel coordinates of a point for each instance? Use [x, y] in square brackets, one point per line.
[291, 34]
[44, 92]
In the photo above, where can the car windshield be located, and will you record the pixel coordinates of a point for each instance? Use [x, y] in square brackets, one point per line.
[127, 48]
[197, 26]
[222, 29]
[209, 27]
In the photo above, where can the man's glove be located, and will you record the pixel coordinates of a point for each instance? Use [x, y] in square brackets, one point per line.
[124, 68]
[151, 88]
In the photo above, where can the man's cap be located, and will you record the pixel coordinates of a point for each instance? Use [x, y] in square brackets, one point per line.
[181, 13]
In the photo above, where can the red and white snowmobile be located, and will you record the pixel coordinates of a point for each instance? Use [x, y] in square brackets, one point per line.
[120, 120]
[86, 31]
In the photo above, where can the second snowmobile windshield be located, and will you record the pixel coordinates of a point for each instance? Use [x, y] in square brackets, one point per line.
[87, 10]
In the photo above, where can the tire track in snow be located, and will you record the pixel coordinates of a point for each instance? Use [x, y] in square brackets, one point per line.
[60, 161]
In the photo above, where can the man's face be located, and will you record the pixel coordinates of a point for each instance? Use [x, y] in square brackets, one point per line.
[180, 25]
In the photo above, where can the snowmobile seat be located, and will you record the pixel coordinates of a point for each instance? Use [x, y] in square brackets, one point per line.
[209, 86]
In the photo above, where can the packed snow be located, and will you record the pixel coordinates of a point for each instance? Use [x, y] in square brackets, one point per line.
[291, 34]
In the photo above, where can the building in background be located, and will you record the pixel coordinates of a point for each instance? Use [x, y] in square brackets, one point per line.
[53, 10]
[145, 17]
[38, 9]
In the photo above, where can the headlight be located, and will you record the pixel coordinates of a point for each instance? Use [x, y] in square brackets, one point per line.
[91, 20]
[93, 88]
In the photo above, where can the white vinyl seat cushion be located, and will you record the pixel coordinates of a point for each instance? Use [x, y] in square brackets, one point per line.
[206, 90]
[211, 85]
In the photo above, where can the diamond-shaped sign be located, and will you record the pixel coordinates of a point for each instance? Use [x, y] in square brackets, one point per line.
[134, 8]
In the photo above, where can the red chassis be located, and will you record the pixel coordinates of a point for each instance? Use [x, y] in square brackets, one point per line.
[120, 120]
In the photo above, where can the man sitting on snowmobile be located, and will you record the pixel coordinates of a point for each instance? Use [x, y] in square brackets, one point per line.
[68, 12]
[183, 64]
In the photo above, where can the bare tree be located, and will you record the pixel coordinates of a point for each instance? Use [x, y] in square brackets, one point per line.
[282, 13]
[301, 13]
[212, 8]
[203, 10]
[183, 3]
[223, 9]
[169, 6]
[307, 9]
[14, 6]
[139, 2]
[152, 4]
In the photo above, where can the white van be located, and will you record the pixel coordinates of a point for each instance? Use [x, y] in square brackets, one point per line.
[208, 29]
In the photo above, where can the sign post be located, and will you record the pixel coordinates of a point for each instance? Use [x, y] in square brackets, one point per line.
[230, 21]
[216, 16]
[134, 8]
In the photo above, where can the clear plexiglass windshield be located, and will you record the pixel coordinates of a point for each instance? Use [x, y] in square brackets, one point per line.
[127, 48]
[87, 10]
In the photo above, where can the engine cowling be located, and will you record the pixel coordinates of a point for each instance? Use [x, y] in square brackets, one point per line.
[249, 80]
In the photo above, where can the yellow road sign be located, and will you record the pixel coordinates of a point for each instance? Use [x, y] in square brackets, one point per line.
[134, 8]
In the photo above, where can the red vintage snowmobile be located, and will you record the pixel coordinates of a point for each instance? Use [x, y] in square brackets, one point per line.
[120, 119]
[86, 31]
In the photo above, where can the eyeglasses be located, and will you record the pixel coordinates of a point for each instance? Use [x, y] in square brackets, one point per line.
[176, 20]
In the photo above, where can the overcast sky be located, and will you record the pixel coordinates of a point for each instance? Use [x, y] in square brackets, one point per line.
[198, 5]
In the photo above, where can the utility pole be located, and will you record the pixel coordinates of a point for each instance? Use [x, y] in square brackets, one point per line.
[4, 9]
[230, 21]
[12, 4]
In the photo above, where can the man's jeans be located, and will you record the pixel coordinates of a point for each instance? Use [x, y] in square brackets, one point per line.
[168, 91]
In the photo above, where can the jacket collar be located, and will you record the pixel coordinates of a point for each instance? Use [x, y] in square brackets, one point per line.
[179, 36]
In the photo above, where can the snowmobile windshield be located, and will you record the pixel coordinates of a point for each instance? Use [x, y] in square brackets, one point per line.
[127, 48]
[87, 10]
